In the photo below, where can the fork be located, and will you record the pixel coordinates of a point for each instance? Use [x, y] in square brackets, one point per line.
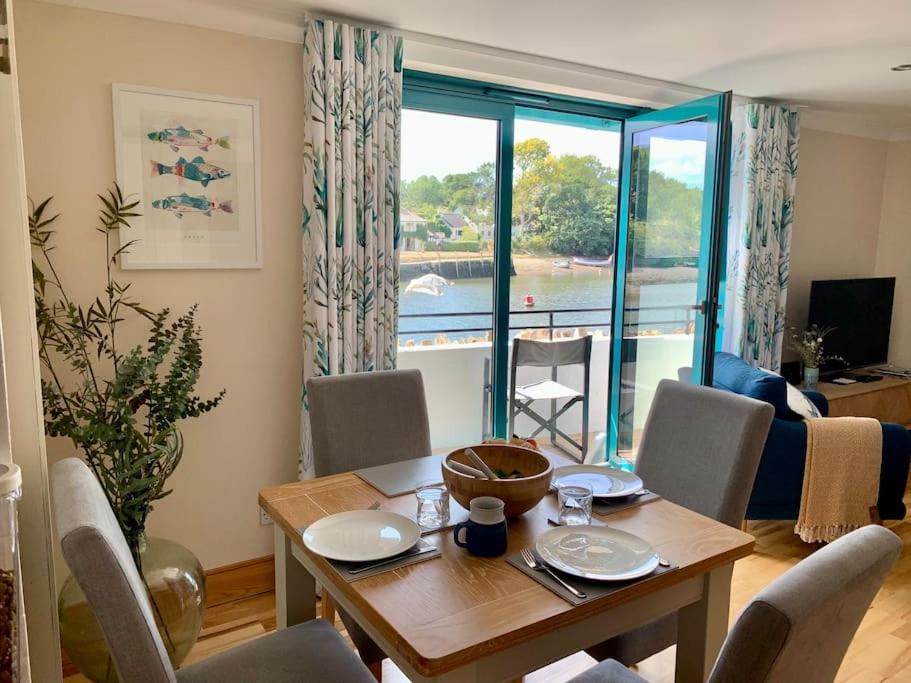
[533, 563]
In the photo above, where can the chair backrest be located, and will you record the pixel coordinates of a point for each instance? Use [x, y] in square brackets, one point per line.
[551, 354]
[97, 554]
[366, 419]
[701, 448]
[799, 627]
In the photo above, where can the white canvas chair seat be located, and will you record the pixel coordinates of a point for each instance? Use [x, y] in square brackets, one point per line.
[522, 399]
[546, 390]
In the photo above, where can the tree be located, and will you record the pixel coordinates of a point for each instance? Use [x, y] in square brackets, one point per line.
[529, 153]
[469, 235]
[579, 220]
[579, 214]
[529, 184]
[568, 203]
[424, 196]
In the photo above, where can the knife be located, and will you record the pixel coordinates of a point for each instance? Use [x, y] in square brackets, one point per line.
[397, 558]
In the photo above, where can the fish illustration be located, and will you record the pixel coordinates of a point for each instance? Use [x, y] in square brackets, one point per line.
[197, 169]
[181, 137]
[180, 204]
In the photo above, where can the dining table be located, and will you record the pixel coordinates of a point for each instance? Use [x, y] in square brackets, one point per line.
[459, 618]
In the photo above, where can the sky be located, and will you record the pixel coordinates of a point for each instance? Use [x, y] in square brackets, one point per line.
[440, 144]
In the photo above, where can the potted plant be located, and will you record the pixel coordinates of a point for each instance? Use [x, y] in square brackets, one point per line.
[809, 346]
[120, 407]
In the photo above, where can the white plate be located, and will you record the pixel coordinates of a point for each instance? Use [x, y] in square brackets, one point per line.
[361, 535]
[606, 482]
[597, 552]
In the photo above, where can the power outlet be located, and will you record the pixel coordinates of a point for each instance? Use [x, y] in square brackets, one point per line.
[264, 518]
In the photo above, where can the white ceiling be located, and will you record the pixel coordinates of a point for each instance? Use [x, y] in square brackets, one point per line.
[832, 55]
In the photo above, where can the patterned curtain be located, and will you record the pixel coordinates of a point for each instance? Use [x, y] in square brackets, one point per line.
[763, 183]
[351, 204]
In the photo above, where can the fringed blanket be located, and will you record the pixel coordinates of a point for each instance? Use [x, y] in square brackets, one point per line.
[841, 477]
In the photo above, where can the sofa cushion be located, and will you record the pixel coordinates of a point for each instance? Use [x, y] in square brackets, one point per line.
[734, 374]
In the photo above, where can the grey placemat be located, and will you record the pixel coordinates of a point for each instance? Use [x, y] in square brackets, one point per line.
[401, 477]
[592, 589]
[421, 552]
[602, 507]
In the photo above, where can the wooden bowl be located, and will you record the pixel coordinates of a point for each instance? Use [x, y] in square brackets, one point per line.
[519, 495]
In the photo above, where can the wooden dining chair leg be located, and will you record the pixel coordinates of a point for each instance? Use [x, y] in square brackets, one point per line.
[743, 525]
[874, 515]
[328, 609]
[376, 668]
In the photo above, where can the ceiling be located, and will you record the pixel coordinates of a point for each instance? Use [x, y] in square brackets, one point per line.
[834, 56]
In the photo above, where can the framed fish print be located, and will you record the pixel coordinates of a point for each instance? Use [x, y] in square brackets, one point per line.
[192, 160]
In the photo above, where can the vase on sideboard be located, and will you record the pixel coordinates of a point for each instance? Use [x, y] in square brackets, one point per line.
[810, 378]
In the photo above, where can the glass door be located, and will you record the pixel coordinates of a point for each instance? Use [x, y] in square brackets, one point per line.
[670, 232]
[564, 219]
[456, 157]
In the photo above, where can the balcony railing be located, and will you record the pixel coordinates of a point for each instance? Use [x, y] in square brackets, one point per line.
[685, 318]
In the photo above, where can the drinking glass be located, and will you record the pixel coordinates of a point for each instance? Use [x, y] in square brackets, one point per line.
[575, 503]
[433, 504]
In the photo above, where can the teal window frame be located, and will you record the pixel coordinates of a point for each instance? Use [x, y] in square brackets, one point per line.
[463, 97]
[715, 111]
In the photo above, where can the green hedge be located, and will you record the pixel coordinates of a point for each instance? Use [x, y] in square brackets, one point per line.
[473, 247]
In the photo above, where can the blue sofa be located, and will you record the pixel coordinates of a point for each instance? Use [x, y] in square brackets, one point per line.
[779, 481]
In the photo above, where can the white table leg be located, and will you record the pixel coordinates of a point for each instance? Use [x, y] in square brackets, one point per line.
[295, 589]
[702, 628]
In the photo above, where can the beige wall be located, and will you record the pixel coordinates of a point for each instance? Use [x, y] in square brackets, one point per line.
[893, 254]
[251, 321]
[23, 435]
[837, 212]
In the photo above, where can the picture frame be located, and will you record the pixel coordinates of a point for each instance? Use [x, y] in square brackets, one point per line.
[193, 161]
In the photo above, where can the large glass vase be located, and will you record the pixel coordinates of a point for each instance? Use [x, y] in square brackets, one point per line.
[177, 586]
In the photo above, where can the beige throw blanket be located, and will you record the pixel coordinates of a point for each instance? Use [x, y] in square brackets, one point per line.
[841, 477]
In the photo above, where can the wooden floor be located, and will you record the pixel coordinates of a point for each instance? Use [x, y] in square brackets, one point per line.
[880, 652]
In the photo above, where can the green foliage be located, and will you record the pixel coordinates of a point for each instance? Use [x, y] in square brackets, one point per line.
[469, 235]
[471, 193]
[578, 206]
[568, 204]
[578, 221]
[668, 212]
[120, 407]
[473, 247]
[538, 245]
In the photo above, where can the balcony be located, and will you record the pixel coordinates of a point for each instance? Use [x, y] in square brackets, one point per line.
[452, 351]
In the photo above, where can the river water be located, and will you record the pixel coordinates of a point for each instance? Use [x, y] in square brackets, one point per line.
[664, 306]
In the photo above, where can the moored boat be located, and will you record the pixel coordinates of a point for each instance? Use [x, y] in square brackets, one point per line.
[594, 262]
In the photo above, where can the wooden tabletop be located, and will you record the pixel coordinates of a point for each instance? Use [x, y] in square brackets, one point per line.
[458, 608]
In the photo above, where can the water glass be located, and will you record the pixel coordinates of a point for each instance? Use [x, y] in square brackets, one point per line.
[575, 503]
[433, 504]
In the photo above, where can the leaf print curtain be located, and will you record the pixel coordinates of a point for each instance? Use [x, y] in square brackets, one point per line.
[351, 204]
[763, 183]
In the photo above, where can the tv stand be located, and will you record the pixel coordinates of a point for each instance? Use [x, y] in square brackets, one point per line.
[888, 399]
[862, 377]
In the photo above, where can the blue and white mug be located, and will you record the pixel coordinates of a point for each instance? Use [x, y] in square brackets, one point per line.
[484, 534]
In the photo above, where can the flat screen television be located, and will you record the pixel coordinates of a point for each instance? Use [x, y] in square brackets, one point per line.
[860, 311]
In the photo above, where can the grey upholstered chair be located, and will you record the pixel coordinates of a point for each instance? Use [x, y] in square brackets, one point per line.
[97, 554]
[553, 355]
[798, 628]
[362, 420]
[700, 449]
[366, 419]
